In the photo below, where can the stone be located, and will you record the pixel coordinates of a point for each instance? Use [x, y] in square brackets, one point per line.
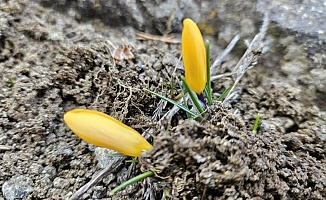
[17, 187]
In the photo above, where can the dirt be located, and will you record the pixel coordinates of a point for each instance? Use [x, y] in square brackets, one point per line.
[50, 63]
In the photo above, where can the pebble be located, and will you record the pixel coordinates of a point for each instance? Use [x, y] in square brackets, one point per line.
[104, 157]
[17, 187]
[319, 76]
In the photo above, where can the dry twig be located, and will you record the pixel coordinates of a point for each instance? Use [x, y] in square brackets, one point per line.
[105, 172]
[218, 61]
[250, 56]
[146, 36]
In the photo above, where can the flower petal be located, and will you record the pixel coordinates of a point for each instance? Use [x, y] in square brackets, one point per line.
[194, 56]
[102, 130]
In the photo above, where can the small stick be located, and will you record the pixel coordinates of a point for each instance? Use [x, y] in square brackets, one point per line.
[218, 61]
[6, 148]
[250, 56]
[105, 172]
[146, 36]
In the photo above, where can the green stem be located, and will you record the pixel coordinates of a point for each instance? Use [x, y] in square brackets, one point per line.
[131, 181]
[193, 97]
[208, 88]
[178, 96]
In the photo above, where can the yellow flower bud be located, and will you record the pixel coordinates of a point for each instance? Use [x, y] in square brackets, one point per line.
[102, 130]
[194, 56]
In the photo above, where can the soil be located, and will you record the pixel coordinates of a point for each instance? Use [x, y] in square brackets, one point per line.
[52, 62]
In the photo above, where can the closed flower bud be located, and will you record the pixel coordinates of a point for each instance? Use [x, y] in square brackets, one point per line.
[102, 130]
[194, 56]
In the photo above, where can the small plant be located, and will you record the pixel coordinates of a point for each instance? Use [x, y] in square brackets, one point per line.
[195, 56]
[256, 123]
[10, 82]
[104, 131]
[101, 130]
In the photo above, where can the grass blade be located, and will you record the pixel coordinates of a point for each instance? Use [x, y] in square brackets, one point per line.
[256, 123]
[182, 107]
[223, 95]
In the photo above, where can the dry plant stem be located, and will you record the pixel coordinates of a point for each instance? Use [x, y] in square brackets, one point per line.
[250, 56]
[6, 148]
[149, 188]
[105, 172]
[220, 76]
[218, 61]
[146, 36]
[111, 44]
[157, 112]
[161, 105]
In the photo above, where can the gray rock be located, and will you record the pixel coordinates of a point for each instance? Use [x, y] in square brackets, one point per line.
[17, 187]
[282, 124]
[104, 157]
[158, 65]
[307, 16]
[35, 168]
[295, 67]
[50, 171]
[162, 16]
[169, 60]
[61, 183]
[319, 75]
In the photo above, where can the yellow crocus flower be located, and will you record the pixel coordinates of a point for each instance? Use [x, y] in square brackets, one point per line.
[102, 130]
[194, 56]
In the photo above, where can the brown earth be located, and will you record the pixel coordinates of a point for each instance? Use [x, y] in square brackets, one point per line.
[51, 63]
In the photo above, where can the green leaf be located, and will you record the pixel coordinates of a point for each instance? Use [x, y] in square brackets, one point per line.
[223, 95]
[182, 107]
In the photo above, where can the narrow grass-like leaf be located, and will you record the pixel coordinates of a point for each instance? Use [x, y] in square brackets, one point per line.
[193, 98]
[208, 88]
[131, 181]
[184, 100]
[132, 161]
[256, 123]
[182, 107]
[172, 87]
[223, 95]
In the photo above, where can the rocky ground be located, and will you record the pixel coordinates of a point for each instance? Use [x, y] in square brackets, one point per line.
[56, 56]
